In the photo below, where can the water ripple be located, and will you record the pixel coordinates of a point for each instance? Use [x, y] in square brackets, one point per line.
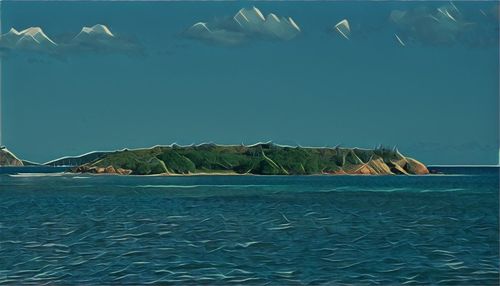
[232, 230]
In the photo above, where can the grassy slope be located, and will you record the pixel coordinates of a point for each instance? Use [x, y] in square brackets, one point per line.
[264, 159]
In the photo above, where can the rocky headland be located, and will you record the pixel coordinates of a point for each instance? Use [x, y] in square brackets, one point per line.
[7, 158]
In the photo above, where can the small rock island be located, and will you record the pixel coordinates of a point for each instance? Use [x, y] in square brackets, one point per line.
[258, 159]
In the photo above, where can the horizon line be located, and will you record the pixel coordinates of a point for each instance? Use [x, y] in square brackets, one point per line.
[463, 165]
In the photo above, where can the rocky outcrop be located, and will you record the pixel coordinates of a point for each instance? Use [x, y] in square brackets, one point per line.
[101, 170]
[7, 158]
[415, 167]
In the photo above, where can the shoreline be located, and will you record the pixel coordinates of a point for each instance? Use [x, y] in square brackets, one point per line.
[32, 171]
[216, 175]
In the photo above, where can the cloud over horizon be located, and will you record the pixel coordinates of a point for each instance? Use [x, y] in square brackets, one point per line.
[245, 25]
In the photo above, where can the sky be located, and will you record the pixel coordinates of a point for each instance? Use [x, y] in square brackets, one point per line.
[434, 95]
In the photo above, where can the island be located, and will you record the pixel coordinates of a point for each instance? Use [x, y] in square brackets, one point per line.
[257, 159]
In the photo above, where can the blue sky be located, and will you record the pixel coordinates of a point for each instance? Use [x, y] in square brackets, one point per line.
[438, 102]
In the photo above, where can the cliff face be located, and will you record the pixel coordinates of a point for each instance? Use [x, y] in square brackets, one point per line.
[261, 159]
[9, 159]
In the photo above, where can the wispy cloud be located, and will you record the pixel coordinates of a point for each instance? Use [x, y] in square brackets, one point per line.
[445, 25]
[245, 25]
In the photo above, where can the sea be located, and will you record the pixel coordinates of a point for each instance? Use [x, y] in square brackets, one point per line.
[79, 229]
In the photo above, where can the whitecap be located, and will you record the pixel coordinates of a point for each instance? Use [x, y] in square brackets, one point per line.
[281, 227]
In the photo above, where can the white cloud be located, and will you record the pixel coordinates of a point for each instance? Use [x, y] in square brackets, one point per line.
[97, 38]
[32, 38]
[243, 26]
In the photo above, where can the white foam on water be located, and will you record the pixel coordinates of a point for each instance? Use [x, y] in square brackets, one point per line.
[443, 190]
[197, 186]
[30, 175]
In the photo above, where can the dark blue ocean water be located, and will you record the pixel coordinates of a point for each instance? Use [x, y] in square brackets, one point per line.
[82, 229]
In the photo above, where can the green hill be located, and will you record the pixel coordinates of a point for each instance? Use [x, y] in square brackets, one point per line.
[260, 159]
